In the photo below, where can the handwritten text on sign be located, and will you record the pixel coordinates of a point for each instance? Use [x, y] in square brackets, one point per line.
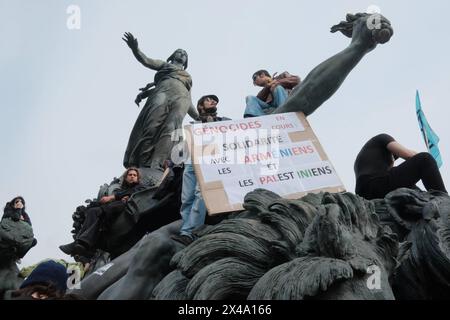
[259, 153]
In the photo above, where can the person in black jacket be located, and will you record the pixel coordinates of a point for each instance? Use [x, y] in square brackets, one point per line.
[276, 90]
[376, 175]
[98, 216]
[15, 209]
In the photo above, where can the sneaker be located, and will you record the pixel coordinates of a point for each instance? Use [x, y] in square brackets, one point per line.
[182, 238]
[76, 248]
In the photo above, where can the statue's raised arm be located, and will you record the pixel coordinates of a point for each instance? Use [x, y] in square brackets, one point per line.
[323, 81]
[132, 42]
[168, 99]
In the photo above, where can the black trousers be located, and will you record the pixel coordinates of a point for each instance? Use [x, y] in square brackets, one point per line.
[420, 167]
[97, 218]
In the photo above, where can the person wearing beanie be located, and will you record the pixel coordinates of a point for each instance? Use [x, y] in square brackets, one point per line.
[193, 210]
[47, 281]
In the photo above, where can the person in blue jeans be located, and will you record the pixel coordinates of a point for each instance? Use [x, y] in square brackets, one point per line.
[275, 92]
[193, 209]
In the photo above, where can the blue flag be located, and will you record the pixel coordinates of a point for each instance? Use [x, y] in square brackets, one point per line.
[431, 138]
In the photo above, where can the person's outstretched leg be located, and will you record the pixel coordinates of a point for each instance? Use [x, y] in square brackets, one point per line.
[255, 107]
[420, 167]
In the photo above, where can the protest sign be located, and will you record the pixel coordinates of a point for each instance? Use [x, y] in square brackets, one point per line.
[278, 152]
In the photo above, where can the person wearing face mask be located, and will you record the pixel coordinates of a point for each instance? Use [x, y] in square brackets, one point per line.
[19, 227]
[193, 210]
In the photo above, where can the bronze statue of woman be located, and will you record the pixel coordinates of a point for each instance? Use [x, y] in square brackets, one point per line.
[151, 139]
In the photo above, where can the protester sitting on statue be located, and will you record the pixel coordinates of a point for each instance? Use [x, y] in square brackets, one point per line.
[99, 215]
[275, 91]
[376, 175]
[193, 210]
[15, 209]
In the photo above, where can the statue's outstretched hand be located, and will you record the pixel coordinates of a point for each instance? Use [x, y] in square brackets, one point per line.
[365, 29]
[130, 40]
[138, 99]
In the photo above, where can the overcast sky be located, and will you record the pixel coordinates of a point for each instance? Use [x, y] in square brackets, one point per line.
[67, 94]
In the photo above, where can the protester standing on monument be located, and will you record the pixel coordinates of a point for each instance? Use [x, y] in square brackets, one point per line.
[376, 175]
[98, 216]
[275, 91]
[193, 210]
[150, 142]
